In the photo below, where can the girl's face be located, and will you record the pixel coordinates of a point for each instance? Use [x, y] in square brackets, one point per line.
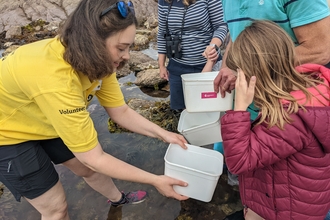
[118, 45]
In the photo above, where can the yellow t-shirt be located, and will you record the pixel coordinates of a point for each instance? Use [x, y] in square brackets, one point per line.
[43, 97]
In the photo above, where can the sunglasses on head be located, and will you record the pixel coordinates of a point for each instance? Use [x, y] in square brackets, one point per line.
[122, 7]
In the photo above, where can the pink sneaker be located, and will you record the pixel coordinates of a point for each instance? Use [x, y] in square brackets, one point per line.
[130, 198]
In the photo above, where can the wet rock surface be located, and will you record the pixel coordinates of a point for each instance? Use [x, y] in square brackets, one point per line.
[20, 13]
[1, 189]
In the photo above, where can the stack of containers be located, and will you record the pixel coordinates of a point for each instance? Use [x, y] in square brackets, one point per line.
[199, 123]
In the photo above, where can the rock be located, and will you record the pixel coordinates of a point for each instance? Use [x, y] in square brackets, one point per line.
[7, 44]
[52, 26]
[139, 61]
[166, 87]
[157, 112]
[144, 66]
[149, 78]
[1, 189]
[153, 34]
[13, 31]
[124, 71]
[10, 49]
[138, 58]
[21, 13]
[38, 28]
[151, 22]
[141, 42]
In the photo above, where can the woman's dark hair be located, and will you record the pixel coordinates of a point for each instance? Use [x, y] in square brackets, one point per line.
[84, 34]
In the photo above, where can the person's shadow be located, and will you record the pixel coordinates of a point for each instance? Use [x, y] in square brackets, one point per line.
[115, 213]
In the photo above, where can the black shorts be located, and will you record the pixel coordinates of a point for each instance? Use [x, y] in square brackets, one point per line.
[27, 169]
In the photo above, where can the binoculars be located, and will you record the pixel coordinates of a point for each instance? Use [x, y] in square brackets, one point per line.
[173, 46]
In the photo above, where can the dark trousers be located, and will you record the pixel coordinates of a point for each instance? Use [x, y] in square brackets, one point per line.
[175, 70]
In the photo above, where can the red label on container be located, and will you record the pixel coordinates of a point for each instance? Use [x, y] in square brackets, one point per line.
[209, 95]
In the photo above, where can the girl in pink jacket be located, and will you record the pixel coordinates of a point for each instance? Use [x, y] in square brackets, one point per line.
[283, 157]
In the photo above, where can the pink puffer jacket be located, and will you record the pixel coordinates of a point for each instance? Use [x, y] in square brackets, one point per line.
[282, 174]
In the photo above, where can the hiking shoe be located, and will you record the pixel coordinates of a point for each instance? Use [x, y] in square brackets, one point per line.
[130, 198]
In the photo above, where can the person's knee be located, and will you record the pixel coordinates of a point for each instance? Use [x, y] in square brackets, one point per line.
[60, 211]
[51, 204]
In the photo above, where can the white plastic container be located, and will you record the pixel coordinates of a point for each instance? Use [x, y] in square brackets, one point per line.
[200, 128]
[199, 95]
[199, 167]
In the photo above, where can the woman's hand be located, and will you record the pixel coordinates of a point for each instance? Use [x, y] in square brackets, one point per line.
[163, 73]
[165, 184]
[224, 81]
[244, 93]
[174, 138]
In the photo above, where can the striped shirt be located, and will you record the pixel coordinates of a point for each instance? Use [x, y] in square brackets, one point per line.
[286, 13]
[203, 21]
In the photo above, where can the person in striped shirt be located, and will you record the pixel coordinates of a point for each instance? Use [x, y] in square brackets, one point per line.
[199, 26]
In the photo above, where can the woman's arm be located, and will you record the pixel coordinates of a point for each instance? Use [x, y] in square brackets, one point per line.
[163, 73]
[133, 121]
[215, 11]
[162, 18]
[101, 162]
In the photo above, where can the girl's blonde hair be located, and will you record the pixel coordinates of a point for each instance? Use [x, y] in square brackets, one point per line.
[265, 50]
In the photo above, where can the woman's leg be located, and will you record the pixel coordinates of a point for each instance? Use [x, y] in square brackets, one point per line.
[52, 204]
[99, 182]
[104, 185]
[27, 171]
[60, 154]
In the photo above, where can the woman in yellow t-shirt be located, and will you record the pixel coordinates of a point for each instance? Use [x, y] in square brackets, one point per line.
[45, 87]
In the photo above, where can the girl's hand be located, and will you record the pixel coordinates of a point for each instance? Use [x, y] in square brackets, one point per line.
[211, 53]
[244, 93]
[165, 185]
